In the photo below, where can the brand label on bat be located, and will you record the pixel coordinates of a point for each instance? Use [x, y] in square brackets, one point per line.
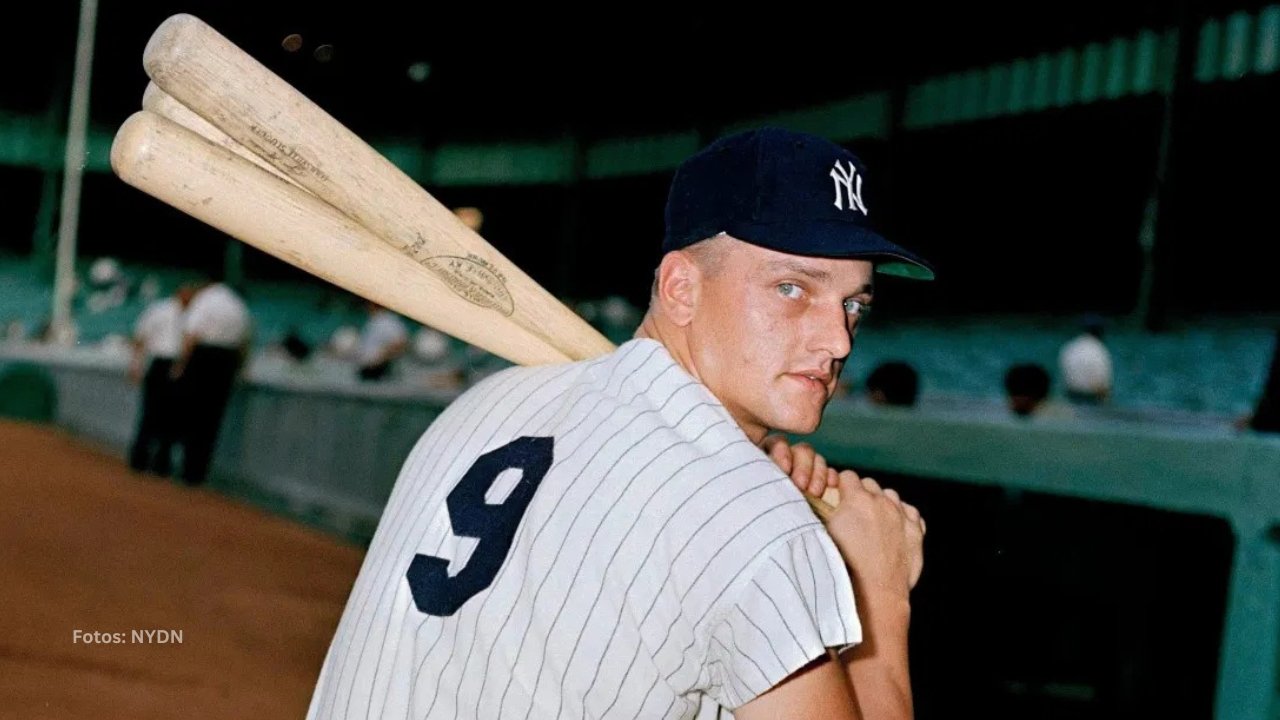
[287, 153]
[472, 280]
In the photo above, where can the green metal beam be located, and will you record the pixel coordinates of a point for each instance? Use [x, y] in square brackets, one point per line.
[865, 116]
[639, 155]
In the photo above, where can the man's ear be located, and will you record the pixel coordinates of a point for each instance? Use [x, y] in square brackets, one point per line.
[679, 287]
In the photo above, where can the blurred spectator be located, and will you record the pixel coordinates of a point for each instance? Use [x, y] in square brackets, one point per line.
[383, 340]
[588, 310]
[1266, 414]
[217, 332]
[431, 346]
[157, 342]
[149, 288]
[1085, 364]
[108, 285]
[893, 383]
[617, 318]
[344, 343]
[1027, 388]
[471, 217]
[105, 274]
[432, 349]
[296, 346]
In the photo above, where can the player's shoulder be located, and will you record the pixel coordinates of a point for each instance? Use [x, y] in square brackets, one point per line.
[513, 384]
[595, 370]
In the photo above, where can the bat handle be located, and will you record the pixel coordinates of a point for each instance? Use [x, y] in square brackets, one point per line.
[820, 507]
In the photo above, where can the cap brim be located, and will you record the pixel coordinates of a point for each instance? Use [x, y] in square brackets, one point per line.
[837, 240]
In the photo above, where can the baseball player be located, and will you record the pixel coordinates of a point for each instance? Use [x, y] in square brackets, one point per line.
[620, 537]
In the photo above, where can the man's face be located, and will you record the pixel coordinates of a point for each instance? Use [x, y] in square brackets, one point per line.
[772, 331]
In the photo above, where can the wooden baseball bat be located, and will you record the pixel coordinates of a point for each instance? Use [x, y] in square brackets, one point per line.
[226, 191]
[239, 96]
[161, 103]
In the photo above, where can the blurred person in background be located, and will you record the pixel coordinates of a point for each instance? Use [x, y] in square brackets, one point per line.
[1085, 364]
[1026, 387]
[441, 370]
[217, 331]
[343, 343]
[295, 345]
[893, 383]
[157, 342]
[383, 340]
[471, 217]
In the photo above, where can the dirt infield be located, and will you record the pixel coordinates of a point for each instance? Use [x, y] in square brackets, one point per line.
[88, 546]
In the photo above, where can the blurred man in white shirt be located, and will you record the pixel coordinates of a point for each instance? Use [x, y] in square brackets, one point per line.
[157, 342]
[1085, 364]
[383, 339]
[216, 334]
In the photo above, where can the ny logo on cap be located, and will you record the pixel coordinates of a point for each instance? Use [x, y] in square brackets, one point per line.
[850, 182]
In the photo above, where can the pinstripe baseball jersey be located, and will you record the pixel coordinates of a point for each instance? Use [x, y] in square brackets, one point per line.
[593, 539]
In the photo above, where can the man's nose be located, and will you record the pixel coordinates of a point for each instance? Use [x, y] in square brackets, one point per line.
[832, 334]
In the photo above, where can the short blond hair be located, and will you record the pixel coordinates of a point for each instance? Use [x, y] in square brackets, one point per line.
[709, 254]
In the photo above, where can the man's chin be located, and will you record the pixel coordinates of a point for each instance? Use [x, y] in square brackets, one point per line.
[801, 416]
[799, 426]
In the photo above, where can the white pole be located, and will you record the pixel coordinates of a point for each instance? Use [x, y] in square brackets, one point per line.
[73, 167]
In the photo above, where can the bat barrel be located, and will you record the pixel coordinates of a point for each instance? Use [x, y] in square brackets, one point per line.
[227, 192]
[235, 93]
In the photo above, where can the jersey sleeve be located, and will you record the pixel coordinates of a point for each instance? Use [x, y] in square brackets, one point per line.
[797, 602]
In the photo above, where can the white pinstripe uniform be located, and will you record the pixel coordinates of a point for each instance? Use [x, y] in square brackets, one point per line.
[615, 546]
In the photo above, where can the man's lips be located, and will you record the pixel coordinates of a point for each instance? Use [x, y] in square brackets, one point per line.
[815, 379]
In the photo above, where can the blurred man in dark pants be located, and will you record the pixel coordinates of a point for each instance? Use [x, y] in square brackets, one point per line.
[157, 342]
[383, 340]
[217, 332]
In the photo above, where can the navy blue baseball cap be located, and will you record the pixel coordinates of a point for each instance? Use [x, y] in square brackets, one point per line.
[783, 190]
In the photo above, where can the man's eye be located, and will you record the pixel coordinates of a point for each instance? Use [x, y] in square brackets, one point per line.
[854, 306]
[790, 290]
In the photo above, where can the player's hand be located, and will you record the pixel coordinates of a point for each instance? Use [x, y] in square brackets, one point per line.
[807, 469]
[881, 538]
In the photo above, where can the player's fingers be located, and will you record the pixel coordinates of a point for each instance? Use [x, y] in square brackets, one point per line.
[780, 453]
[913, 514]
[871, 485]
[850, 484]
[893, 495]
[818, 478]
[833, 478]
[801, 464]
